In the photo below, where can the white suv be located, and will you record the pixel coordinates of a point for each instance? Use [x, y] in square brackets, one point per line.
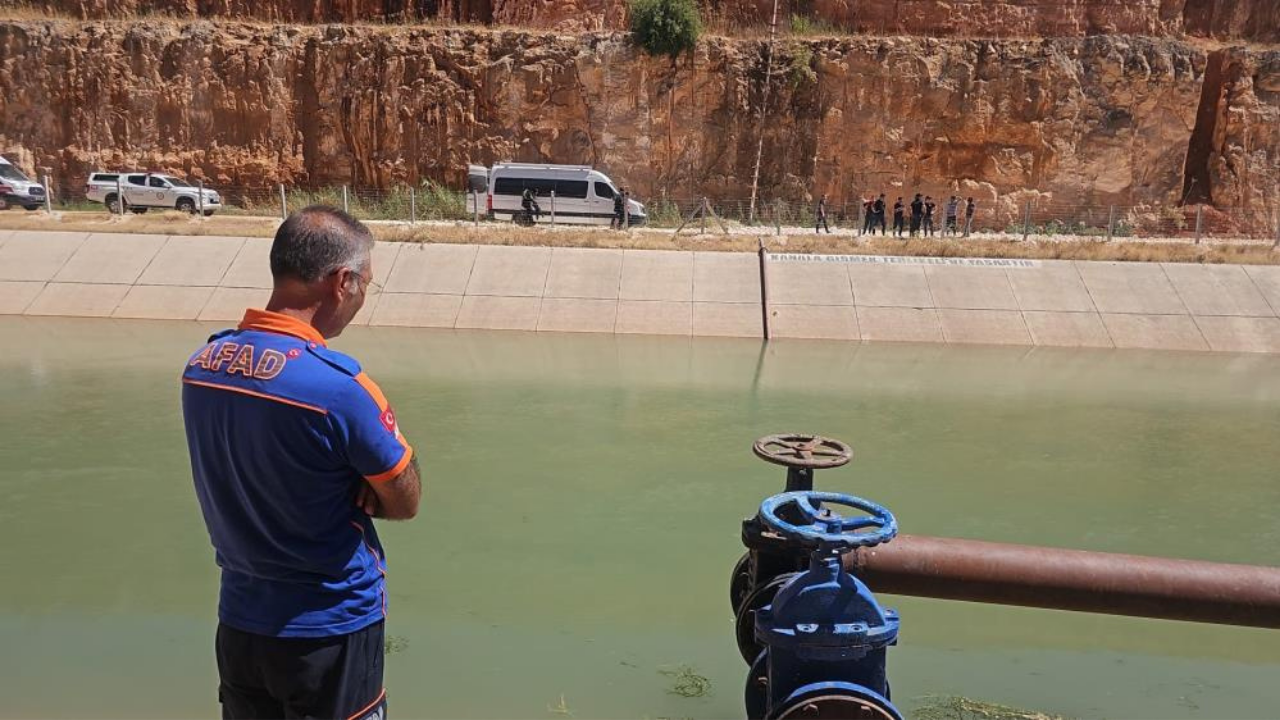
[143, 191]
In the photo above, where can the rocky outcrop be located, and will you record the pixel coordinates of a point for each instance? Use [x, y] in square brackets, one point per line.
[1233, 157]
[1095, 120]
[1257, 20]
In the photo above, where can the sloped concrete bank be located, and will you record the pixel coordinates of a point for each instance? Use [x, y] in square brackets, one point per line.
[1228, 308]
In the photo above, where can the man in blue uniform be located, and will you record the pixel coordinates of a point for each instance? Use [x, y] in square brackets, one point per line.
[294, 450]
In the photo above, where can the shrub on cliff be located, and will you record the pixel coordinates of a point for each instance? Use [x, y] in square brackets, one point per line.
[665, 27]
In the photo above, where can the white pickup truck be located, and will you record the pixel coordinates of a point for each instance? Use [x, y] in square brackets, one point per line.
[143, 191]
[18, 190]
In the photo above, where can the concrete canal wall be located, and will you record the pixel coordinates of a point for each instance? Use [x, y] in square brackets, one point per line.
[1006, 302]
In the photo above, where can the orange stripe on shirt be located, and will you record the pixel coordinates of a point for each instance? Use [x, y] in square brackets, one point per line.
[264, 396]
[396, 470]
[383, 404]
[377, 561]
[374, 391]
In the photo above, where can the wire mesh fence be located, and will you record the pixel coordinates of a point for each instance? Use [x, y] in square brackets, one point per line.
[1009, 217]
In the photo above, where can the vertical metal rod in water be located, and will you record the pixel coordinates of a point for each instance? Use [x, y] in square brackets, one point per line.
[413, 205]
[1199, 221]
[346, 208]
[284, 204]
[48, 195]
[1111, 223]
[119, 197]
[553, 208]
[200, 197]
[764, 290]
[1026, 222]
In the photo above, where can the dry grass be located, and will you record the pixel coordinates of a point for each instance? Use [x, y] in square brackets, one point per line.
[176, 223]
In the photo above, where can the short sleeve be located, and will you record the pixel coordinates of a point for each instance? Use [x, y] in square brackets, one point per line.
[374, 446]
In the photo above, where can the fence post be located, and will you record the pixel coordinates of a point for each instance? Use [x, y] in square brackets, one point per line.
[119, 196]
[346, 208]
[702, 215]
[48, 195]
[200, 197]
[1111, 223]
[413, 205]
[475, 207]
[553, 208]
[284, 204]
[1199, 221]
[1026, 222]
[777, 216]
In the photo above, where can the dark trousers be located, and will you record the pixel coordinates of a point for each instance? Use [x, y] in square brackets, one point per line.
[332, 677]
[898, 225]
[879, 221]
[951, 225]
[928, 225]
[915, 225]
[867, 222]
[822, 223]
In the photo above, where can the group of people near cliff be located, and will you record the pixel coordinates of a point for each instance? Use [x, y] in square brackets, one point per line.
[922, 209]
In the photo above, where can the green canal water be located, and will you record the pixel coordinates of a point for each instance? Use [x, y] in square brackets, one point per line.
[582, 511]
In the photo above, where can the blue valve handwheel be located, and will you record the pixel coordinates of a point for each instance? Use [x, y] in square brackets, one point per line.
[826, 528]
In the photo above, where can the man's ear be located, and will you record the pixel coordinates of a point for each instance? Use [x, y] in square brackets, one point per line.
[338, 290]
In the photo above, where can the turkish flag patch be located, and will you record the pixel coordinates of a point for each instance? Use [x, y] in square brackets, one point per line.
[388, 418]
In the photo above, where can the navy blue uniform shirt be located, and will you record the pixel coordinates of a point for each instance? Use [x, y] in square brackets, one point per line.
[282, 431]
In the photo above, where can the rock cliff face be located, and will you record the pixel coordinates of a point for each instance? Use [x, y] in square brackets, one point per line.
[1101, 119]
[1226, 19]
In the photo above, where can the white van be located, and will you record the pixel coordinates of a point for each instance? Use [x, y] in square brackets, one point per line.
[583, 196]
[477, 189]
[18, 190]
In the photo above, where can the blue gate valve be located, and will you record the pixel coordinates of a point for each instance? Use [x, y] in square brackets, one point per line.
[825, 637]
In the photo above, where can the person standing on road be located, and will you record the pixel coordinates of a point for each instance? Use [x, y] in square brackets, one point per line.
[294, 450]
[822, 215]
[898, 210]
[530, 204]
[969, 209]
[929, 206]
[616, 222]
[952, 208]
[868, 215]
[917, 214]
[878, 209]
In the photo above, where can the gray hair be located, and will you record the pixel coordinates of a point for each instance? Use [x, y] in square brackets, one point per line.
[317, 241]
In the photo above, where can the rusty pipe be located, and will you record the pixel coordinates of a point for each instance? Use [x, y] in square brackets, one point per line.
[1044, 577]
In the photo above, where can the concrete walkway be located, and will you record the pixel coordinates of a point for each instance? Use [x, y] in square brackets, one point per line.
[1009, 302]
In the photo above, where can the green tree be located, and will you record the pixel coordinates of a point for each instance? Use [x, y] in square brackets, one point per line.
[665, 27]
